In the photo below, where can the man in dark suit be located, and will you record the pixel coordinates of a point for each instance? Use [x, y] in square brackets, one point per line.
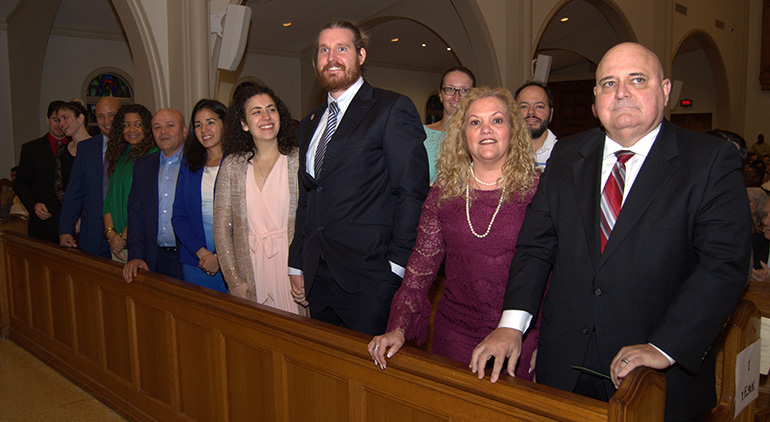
[151, 242]
[364, 174]
[84, 196]
[34, 183]
[648, 252]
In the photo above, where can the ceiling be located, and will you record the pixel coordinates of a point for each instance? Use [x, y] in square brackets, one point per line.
[574, 44]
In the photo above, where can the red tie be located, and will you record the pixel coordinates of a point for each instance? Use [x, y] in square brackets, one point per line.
[612, 195]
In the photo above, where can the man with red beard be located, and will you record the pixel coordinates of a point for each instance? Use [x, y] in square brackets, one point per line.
[536, 104]
[364, 174]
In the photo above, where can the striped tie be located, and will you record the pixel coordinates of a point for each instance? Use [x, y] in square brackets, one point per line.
[331, 126]
[612, 195]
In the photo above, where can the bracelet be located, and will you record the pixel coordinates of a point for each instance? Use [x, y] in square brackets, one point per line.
[111, 229]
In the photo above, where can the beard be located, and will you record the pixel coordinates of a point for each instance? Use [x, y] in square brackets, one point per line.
[538, 131]
[349, 76]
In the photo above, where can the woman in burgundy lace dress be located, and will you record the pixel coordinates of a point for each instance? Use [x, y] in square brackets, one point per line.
[486, 177]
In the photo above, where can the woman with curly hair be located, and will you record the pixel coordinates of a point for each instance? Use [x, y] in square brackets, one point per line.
[193, 217]
[130, 138]
[256, 199]
[472, 215]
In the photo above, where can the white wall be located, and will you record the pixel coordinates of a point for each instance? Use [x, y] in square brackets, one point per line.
[7, 154]
[69, 60]
[281, 74]
[757, 101]
[416, 85]
[694, 70]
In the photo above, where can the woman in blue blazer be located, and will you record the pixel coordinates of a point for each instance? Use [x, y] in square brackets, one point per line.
[194, 201]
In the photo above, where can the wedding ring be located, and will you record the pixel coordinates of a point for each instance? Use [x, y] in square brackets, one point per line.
[376, 346]
[624, 360]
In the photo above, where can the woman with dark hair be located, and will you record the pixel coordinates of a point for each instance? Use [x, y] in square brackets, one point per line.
[472, 216]
[193, 218]
[73, 120]
[256, 199]
[130, 138]
[455, 83]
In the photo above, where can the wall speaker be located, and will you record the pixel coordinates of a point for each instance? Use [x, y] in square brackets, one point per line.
[236, 31]
[541, 68]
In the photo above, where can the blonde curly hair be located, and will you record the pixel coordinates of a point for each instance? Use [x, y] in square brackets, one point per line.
[454, 160]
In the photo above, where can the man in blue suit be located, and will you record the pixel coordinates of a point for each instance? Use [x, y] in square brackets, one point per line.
[151, 242]
[86, 188]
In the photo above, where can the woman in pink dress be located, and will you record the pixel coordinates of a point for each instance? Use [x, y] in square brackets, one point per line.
[256, 199]
[472, 216]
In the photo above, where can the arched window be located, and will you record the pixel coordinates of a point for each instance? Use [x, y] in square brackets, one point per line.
[105, 82]
[433, 109]
[242, 81]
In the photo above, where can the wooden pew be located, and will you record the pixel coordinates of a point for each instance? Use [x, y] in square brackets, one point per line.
[160, 349]
[741, 331]
[759, 293]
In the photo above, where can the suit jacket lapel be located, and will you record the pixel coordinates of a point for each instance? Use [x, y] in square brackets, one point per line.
[586, 174]
[154, 194]
[304, 142]
[657, 168]
[355, 113]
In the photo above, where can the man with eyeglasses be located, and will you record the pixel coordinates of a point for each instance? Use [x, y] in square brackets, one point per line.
[536, 104]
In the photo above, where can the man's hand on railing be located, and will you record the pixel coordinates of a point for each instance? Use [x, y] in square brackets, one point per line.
[501, 343]
[132, 268]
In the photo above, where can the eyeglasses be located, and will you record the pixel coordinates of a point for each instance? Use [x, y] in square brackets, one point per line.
[450, 91]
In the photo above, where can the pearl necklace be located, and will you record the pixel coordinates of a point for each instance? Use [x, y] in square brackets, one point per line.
[468, 211]
[479, 181]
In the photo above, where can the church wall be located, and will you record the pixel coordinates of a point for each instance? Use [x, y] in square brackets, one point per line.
[692, 68]
[7, 153]
[418, 86]
[757, 100]
[70, 60]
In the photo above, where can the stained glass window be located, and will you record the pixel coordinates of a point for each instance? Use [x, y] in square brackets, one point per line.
[106, 84]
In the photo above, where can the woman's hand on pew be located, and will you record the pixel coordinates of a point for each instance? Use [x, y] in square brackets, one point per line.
[501, 343]
[389, 342]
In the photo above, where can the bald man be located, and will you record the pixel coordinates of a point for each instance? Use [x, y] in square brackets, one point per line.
[85, 191]
[151, 242]
[645, 230]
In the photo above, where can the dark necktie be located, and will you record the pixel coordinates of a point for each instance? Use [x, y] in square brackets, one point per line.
[58, 183]
[331, 126]
[612, 195]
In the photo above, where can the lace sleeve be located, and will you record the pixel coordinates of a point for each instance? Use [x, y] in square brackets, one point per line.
[410, 309]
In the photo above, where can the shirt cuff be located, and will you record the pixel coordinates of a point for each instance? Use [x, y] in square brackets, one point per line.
[670, 360]
[397, 269]
[516, 319]
[294, 271]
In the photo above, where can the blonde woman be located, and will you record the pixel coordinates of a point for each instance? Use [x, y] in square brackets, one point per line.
[473, 213]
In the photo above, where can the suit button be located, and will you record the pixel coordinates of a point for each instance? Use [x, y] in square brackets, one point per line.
[319, 189]
[585, 330]
[598, 292]
[320, 228]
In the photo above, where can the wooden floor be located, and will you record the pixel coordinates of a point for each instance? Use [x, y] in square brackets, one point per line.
[31, 391]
